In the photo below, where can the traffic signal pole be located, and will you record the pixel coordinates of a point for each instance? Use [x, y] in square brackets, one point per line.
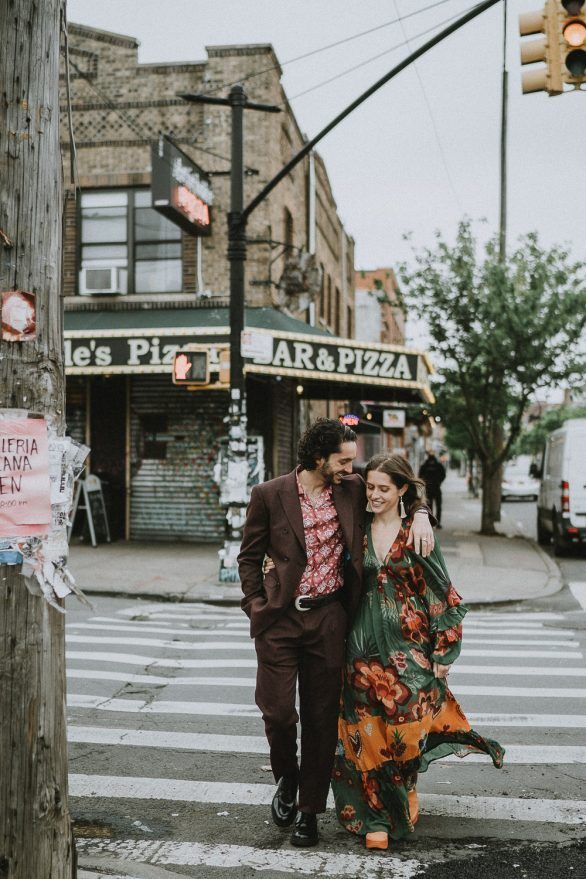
[504, 118]
[237, 221]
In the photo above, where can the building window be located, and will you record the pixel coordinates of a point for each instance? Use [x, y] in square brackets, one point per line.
[329, 302]
[126, 246]
[322, 293]
[349, 321]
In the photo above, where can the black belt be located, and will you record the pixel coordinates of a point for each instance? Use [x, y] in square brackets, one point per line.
[303, 603]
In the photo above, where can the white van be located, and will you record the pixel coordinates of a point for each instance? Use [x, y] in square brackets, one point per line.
[561, 508]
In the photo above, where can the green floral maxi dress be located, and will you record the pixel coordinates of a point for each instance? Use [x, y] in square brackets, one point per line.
[396, 716]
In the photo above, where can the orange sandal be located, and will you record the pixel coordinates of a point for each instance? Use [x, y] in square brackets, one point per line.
[377, 839]
[413, 806]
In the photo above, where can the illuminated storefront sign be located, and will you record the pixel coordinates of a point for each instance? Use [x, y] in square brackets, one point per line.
[181, 191]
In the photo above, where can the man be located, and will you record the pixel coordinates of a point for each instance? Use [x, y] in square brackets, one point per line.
[311, 524]
[433, 473]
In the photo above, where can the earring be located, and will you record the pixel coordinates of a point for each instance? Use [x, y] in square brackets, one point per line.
[369, 507]
[402, 512]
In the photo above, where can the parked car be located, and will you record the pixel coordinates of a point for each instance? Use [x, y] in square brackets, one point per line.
[518, 481]
[561, 507]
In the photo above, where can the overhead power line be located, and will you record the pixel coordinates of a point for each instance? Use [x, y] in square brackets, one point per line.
[372, 58]
[312, 52]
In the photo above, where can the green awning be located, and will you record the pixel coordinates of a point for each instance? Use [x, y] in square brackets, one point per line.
[145, 340]
[166, 318]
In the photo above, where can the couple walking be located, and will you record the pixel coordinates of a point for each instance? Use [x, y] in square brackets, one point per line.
[355, 607]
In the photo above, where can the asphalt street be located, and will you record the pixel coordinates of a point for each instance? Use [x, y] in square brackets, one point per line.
[168, 761]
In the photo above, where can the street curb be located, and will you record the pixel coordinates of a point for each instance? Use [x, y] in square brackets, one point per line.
[555, 582]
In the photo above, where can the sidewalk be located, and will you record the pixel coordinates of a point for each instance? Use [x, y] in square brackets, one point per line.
[485, 570]
[491, 569]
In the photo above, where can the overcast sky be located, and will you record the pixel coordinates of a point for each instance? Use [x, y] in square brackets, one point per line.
[425, 149]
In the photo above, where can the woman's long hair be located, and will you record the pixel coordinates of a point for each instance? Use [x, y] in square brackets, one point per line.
[400, 473]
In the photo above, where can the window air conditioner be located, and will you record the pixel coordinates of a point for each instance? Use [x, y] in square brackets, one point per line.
[101, 280]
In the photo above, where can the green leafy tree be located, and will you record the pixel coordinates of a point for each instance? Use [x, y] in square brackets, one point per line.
[500, 330]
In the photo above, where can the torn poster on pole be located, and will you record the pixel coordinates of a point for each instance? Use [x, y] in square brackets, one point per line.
[25, 492]
[38, 469]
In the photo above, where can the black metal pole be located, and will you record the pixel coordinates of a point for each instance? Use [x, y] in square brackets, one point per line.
[503, 150]
[236, 245]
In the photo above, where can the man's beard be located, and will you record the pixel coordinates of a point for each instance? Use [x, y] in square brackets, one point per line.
[327, 474]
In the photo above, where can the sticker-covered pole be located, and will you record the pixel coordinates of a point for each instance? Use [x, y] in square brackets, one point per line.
[35, 826]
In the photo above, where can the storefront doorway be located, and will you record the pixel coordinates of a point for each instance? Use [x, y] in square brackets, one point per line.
[108, 407]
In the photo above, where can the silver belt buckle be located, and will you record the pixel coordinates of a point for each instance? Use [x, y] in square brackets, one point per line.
[298, 606]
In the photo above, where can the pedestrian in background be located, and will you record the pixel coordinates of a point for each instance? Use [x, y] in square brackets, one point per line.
[310, 525]
[433, 474]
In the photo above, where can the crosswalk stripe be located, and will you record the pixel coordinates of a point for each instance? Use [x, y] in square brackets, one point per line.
[84, 874]
[559, 654]
[151, 662]
[139, 706]
[178, 609]
[183, 609]
[248, 647]
[129, 659]
[144, 629]
[250, 683]
[520, 692]
[518, 671]
[536, 634]
[217, 743]
[187, 616]
[180, 790]
[156, 642]
[519, 642]
[549, 638]
[244, 709]
[513, 616]
[247, 858]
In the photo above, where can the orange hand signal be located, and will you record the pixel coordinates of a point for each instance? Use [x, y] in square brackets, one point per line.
[182, 366]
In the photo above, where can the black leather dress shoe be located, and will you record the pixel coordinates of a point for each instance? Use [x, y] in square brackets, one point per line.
[305, 833]
[284, 805]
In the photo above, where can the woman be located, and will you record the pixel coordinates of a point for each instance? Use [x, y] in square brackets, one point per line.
[397, 713]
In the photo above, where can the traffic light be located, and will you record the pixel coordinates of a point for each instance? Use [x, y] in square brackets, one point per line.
[547, 48]
[562, 46]
[573, 33]
[191, 368]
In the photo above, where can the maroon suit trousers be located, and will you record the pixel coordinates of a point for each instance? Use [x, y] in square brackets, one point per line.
[305, 648]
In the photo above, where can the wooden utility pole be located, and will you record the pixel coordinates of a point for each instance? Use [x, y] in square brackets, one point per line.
[35, 827]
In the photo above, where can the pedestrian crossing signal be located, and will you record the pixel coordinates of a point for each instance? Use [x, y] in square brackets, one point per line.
[191, 368]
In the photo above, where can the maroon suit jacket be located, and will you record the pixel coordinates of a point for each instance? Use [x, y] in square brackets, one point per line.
[274, 526]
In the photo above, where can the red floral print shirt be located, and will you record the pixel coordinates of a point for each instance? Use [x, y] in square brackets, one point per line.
[324, 544]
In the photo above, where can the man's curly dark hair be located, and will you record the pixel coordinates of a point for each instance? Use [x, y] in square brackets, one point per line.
[321, 439]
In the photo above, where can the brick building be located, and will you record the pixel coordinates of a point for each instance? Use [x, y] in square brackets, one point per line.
[137, 287]
[378, 315]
